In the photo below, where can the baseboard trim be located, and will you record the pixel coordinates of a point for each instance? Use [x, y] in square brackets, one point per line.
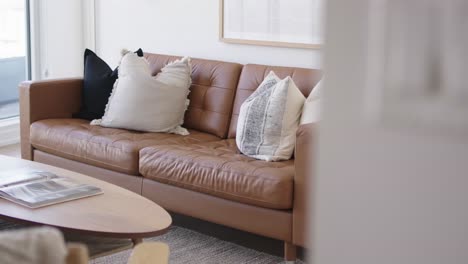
[9, 131]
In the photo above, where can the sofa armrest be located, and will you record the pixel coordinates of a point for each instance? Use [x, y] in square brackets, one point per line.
[39, 100]
[304, 167]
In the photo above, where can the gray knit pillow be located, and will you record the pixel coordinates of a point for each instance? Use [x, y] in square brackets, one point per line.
[269, 118]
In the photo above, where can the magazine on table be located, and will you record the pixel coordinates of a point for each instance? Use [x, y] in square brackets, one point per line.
[34, 188]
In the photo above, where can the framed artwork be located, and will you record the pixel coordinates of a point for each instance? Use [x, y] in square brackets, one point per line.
[281, 23]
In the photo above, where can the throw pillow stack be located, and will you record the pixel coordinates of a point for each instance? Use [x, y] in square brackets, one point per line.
[98, 83]
[132, 98]
[269, 118]
[149, 103]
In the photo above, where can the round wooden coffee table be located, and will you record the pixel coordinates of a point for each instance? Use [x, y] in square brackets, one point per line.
[117, 213]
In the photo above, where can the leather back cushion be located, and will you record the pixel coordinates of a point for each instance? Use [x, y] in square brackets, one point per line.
[252, 75]
[211, 94]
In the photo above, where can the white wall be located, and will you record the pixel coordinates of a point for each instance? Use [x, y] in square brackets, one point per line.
[62, 29]
[57, 35]
[383, 193]
[182, 27]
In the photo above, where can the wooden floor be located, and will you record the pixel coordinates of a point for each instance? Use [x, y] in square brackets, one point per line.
[12, 150]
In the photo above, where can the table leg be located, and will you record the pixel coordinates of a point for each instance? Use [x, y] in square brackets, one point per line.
[136, 241]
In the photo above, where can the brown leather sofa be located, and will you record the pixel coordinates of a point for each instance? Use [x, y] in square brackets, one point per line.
[202, 175]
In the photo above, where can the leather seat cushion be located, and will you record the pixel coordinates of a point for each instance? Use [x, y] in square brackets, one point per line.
[219, 169]
[109, 148]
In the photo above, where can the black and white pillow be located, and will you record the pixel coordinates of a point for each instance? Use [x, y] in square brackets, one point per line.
[268, 120]
[142, 102]
[98, 82]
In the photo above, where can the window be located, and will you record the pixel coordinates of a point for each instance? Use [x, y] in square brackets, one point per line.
[13, 54]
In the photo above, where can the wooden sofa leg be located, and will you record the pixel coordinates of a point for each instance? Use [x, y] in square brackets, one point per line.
[289, 251]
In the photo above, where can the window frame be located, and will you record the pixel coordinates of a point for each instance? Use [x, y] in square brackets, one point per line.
[9, 126]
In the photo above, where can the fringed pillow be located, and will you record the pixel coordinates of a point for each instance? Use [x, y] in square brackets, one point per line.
[140, 101]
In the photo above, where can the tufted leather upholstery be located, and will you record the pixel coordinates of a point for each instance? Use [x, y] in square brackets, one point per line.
[211, 94]
[109, 148]
[217, 168]
[253, 74]
[44, 99]
[198, 175]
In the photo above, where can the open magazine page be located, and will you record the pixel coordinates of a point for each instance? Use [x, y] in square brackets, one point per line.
[12, 177]
[48, 191]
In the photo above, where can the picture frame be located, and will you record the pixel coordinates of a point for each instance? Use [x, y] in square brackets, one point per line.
[241, 23]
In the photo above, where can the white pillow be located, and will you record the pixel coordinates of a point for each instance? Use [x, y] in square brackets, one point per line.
[143, 102]
[312, 111]
[268, 120]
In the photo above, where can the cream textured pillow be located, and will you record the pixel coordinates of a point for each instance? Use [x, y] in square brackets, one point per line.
[268, 120]
[312, 111]
[143, 102]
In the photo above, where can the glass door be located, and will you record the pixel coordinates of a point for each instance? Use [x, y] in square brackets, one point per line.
[13, 54]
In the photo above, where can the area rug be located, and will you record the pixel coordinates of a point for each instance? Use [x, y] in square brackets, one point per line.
[187, 246]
